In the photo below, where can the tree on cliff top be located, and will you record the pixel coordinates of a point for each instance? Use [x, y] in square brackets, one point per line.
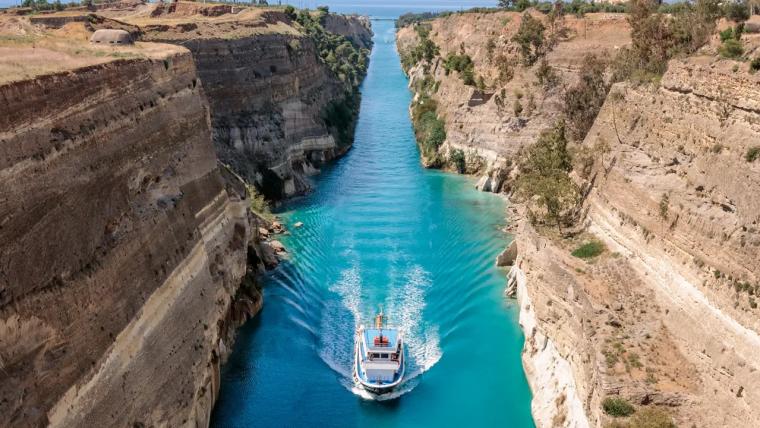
[530, 38]
[656, 37]
[544, 178]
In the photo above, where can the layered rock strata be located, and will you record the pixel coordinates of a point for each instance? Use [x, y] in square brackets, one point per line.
[269, 94]
[483, 123]
[123, 249]
[666, 317]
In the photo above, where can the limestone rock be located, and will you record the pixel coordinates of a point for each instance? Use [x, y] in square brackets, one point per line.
[508, 256]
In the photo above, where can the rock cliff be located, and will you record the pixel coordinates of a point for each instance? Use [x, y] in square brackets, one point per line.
[122, 246]
[128, 249]
[483, 122]
[667, 315]
[272, 98]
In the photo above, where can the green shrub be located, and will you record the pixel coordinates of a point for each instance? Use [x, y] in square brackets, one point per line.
[426, 49]
[348, 61]
[731, 48]
[753, 153]
[726, 34]
[737, 11]
[340, 116]
[463, 65]
[589, 250]
[664, 205]
[290, 11]
[544, 176]
[657, 37]
[429, 130]
[617, 407]
[583, 101]
[530, 38]
[547, 76]
[754, 65]
[257, 203]
[457, 158]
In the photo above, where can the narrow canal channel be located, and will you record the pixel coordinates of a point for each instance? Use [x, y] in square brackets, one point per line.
[381, 230]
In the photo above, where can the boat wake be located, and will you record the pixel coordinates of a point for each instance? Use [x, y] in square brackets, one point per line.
[404, 306]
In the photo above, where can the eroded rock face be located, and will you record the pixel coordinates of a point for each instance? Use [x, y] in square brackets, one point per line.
[122, 247]
[484, 124]
[269, 94]
[357, 29]
[667, 316]
[677, 191]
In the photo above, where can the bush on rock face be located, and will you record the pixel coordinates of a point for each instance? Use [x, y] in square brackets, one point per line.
[530, 38]
[348, 61]
[583, 101]
[545, 181]
[656, 37]
[617, 407]
[458, 160]
[731, 49]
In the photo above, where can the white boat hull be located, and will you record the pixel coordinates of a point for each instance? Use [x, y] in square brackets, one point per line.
[372, 386]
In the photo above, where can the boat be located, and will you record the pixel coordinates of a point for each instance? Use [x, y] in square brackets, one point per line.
[378, 357]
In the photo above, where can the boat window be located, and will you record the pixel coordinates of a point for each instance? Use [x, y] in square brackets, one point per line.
[384, 356]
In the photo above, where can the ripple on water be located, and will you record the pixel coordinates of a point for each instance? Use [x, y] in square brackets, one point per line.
[381, 230]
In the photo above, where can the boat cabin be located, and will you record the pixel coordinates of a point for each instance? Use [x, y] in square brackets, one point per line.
[381, 354]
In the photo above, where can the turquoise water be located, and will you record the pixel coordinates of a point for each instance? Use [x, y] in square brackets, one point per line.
[381, 230]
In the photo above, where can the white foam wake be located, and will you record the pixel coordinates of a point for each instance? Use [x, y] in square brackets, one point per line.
[339, 320]
[404, 308]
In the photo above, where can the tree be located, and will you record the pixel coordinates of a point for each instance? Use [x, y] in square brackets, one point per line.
[545, 178]
[583, 101]
[656, 37]
[530, 38]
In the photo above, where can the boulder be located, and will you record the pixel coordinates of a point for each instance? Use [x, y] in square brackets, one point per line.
[508, 256]
[118, 37]
[278, 247]
[298, 224]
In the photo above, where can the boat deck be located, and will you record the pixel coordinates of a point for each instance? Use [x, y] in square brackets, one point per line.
[371, 333]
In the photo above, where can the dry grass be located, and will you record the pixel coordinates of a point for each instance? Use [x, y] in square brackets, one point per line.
[247, 22]
[27, 51]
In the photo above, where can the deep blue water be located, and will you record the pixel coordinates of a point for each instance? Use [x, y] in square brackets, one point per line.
[381, 230]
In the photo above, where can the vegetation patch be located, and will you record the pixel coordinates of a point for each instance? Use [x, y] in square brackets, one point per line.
[617, 407]
[462, 64]
[458, 160]
[258, 203]
[647, 417]
[348, 61]
[660, 35]
[583, 101]
[428, 128]
[731, 49]
[589, 250]
[340, 117]
[753, 153]
[530, 38]
[426, 49]
[544, 179]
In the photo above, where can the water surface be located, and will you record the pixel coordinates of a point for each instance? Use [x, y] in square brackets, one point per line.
[381, 230]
